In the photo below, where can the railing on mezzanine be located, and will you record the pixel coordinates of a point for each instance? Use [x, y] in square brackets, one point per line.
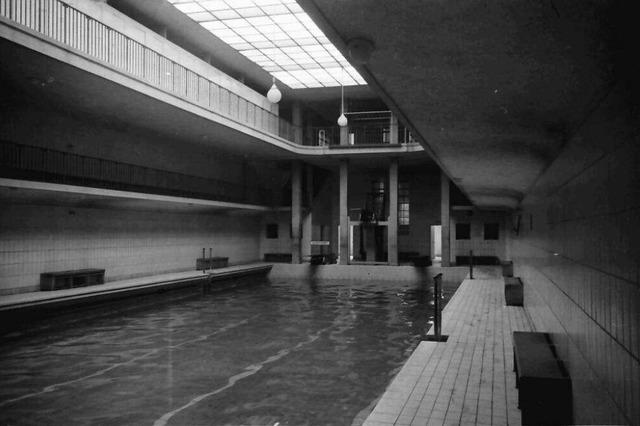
[74, 29]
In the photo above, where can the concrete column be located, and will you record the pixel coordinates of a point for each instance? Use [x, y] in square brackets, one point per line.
[392, 236]
[296, 211]
[296, 120]
[344, 213]
[445, 219]
[393, 129]
[307, 218]
[344, 135]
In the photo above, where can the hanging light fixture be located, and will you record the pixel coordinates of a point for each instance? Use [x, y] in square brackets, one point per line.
[342, 120]
[274, 95]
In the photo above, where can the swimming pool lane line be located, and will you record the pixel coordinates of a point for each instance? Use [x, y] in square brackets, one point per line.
[248, 371]
[55, 386]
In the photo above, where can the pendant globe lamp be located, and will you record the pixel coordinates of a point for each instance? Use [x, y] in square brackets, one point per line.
[274, 94]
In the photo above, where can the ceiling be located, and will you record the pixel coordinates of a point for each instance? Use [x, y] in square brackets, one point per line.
[494, 88]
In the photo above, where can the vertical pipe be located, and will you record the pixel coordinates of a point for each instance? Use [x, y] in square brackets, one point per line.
[204, 266]
[470, 264]
[210, 258]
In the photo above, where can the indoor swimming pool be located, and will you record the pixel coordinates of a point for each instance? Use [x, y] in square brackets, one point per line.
[273, 352]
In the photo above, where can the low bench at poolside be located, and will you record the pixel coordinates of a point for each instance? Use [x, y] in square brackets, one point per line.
[544, 386]
[70, 279]
[513, 291]
[278, 257]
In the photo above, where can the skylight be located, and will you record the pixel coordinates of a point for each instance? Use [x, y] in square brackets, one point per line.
[278, 36]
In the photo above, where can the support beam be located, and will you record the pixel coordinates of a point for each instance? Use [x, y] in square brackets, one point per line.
[445, 220]
[344, 213]
[392, 237]
[296, 211]
[296, 120]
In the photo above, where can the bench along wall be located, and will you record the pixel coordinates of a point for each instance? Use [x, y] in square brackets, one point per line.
[578, 255]
[127, 243]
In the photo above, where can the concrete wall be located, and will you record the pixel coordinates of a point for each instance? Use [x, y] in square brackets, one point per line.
[424, 210]
[283, 243]
[127, 243]
[477, 243]
[578, 253]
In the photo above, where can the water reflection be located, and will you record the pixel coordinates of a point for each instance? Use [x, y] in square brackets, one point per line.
[304, 353]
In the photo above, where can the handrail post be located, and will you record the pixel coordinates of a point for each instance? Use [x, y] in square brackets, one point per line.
[437, 299]
[470, 264]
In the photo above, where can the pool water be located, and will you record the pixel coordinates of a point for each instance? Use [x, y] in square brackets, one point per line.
[274, 352]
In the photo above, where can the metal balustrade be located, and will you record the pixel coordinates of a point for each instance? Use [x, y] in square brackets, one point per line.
[19, 161]
[60, 22]
[359, 134]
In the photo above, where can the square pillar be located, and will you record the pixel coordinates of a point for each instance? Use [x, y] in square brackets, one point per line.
[344, 135]
[296, 212]
[445, 219]
[344, 213]
[393, 129]
[392, 227]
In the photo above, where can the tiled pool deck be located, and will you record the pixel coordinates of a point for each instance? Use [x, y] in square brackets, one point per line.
[469, 379]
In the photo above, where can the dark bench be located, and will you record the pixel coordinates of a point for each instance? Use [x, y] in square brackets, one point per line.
[277, 257]
[322, 259]
[477, 260]
[544, 387]
[211, 263]
[513, 291]
[507, 268]
[70, 279]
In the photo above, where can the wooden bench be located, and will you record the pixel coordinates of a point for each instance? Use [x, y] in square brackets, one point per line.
[211, 263]
[277, 257]
[70, 279]
[513, 291]
[544, 387]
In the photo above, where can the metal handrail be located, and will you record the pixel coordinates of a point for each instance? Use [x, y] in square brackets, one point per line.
[67, 25]
[44, 164]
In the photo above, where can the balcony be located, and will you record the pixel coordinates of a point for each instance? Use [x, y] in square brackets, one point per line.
[32, 163]
[196, 82]
[369, 135]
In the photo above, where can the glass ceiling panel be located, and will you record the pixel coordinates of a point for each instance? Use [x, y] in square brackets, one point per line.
[278, 36]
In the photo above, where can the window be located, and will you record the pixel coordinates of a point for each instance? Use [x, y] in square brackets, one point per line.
[403, 204]
[463, 231]
[491, 231]
[277, 35]
[272, 230]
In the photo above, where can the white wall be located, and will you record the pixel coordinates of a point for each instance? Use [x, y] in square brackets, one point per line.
[36, 239]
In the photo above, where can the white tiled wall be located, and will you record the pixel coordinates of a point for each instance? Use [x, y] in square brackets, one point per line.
[36, 239]
[578, 253]
[477, 243]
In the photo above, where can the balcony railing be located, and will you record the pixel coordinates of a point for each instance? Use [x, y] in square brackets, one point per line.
[19, 161]
[76, 30]
[358, 134]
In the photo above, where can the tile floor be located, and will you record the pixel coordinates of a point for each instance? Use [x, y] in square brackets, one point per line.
[469, 379]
